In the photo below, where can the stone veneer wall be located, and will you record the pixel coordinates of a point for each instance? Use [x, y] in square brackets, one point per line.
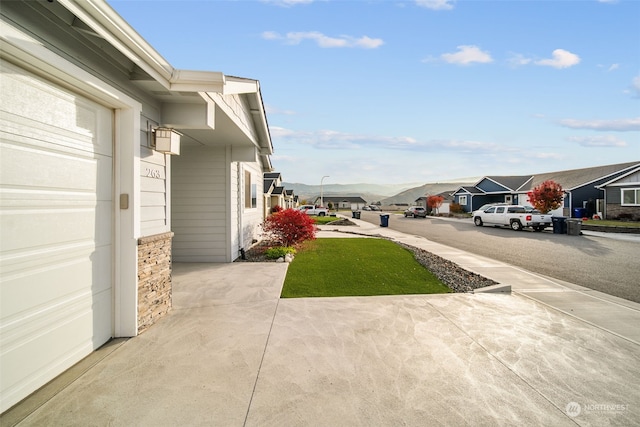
[615, 209]
[154, 279]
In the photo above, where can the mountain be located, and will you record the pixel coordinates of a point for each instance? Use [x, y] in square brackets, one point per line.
[386, 194]
[369, 192]
[410, 195]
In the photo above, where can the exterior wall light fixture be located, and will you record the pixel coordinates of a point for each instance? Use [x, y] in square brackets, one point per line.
[167, 141]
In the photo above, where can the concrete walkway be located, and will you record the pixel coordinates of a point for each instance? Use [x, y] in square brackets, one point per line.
[232, 353]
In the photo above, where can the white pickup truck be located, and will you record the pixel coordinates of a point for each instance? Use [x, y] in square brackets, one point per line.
[314, 210]
[514, 216]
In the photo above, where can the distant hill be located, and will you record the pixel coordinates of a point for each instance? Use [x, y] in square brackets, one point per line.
[410, 195]
[370, 192]
[386, 194]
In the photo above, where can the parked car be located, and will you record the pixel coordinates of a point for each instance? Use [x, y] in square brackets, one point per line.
[514, 216]
[314, 210]
[415, 212]
[366, 208]
[374, 207]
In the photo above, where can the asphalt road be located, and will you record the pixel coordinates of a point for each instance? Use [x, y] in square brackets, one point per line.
[599, 263]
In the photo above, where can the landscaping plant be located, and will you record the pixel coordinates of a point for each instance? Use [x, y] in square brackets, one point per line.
[546, 196]
[289, 227]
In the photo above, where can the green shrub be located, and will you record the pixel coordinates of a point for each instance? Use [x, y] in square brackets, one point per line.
[279, 252]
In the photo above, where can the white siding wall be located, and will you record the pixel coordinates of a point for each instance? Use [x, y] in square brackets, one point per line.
[200, 218]
[235, 207]
[241, 110]
[154, 185]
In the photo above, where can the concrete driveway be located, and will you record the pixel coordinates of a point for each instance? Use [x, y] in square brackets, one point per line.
[232, 353]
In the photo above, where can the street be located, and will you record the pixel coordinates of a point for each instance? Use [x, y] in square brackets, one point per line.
[607, 265]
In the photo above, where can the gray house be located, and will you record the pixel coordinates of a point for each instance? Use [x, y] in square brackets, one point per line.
[343, 202]
[622, 196]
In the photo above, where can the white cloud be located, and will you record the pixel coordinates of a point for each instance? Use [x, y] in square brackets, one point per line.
[621, 125]
[561, 59]
[598, 141]
[324, 41]
[436, 4]
[517, 60]
[274, 110]
[467, 54]
[613, 67]
[330, 139]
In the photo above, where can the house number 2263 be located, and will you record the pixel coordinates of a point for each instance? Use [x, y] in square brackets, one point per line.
[153, 173]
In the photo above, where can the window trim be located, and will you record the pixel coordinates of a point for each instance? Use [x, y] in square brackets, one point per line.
[635, 191]
[460, 200]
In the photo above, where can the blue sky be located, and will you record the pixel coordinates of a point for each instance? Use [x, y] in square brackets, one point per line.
[385, 91]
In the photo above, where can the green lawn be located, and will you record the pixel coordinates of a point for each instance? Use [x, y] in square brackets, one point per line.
[609, 223]
[332, 267]
[320, 220]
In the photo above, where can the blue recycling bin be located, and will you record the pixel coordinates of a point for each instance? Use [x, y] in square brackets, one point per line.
[559, 224]
[384, 220]
[579, 212]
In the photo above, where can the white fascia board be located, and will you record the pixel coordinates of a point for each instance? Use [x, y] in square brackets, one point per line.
[106, 22]
[239, 85]
[197, 81]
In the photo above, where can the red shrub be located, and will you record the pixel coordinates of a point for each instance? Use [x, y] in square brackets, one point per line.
[290, 226]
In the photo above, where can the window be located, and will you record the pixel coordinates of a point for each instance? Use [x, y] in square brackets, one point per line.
[499, 210]
[490, 210]
[631, 196]
[250, 192]
[462, 200]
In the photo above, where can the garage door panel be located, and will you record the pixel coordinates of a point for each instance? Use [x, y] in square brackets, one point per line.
[28, 229]
[51, 170]
[29, 289]
[46, 343]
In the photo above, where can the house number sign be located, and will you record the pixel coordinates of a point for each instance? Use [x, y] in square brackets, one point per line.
[153, 173]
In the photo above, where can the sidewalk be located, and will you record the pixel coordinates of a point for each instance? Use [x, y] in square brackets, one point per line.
[232, 353]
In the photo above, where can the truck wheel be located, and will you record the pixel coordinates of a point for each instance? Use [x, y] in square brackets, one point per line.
[538, 228]
[477, 221]
[321, 214]
[516, 226]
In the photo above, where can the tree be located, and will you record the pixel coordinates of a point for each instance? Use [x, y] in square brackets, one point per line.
[434, 202]
[546, 196]
[290, 226]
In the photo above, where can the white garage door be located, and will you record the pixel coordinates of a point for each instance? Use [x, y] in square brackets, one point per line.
[56, 214]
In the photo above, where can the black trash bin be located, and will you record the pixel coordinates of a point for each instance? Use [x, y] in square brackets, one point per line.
[559, 224]
[384, 220]
[356, 214]
[353, 214]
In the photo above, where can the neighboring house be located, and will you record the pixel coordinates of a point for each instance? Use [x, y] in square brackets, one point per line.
[622, 196]
[289, 199]
[93, 188]
[276, 194]
[580, 187]
[353, 203]
[447, 199]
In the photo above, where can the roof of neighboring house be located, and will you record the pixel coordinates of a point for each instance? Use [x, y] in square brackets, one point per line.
[629, 173]
[579, 177]
[278, 190]
[288, 193]
[272, 175]
[471, 190]
[511, 182]
[569, 179]
[268, 186]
